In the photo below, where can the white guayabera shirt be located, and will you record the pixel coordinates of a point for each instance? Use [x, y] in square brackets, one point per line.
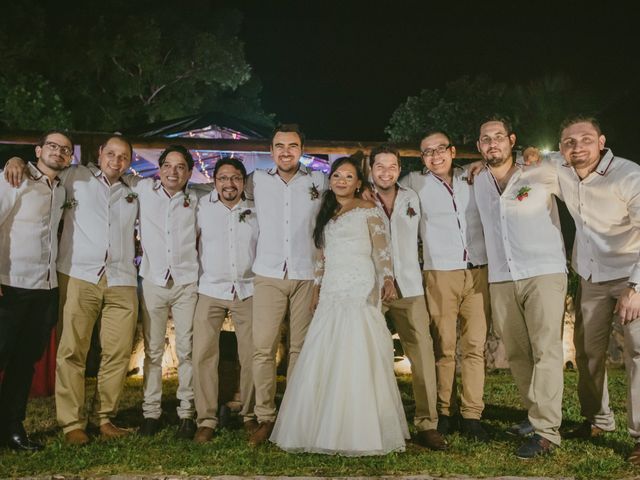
[606, 209]
[227, 247]
[450, 225]
[521, 224]
[403, 228]
[98, 233]
[29, 219]
[167, 232]
[286, 215]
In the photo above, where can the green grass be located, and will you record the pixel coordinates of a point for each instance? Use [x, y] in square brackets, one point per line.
[229, 453]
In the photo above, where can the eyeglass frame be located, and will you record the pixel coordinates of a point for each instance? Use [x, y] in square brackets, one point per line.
[431, 152]
[233, 179]
[64, 150]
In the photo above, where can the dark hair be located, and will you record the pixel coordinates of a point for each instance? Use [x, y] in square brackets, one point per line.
[330, 206]
[234, 162]
[288, 127]
[436, 132]
[384, 148]
[178, 149]
[499, 118]
[573, 119]
[44, 136]
[122, 138]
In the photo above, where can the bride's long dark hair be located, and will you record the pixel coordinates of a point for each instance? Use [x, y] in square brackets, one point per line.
[330, 206]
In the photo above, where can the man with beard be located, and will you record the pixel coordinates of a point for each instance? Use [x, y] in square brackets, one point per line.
[527, 276]
[29, 218]
[169, 270]
[97, 279]
[455, 279]
[287, 199]
[408, 312]
[228, 234]
[605, 256]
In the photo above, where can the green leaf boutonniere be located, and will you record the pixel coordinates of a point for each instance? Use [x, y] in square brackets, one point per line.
[243, 215]
[314, 193]
[187, 200]
[523, 193]
[69, 204]
[410, 211]
[131, 197]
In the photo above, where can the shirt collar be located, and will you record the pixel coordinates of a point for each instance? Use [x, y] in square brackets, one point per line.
[302, 170]
[603, 165]
[214, 198]
[97, 173]
[37, 175]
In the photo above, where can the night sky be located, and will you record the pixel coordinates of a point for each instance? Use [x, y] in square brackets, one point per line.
[341, 69]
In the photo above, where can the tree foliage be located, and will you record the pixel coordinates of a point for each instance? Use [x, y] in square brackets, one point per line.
[535, 108]
[120, 64]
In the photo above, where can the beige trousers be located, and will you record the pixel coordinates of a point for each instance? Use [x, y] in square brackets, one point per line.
[207, 322]
[156, 302]
[451, 296]
[272, 299]
[411, 321]
[594, 320]
[118, 309]
[528, 315]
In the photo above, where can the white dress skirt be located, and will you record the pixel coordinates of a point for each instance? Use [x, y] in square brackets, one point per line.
[342, 397]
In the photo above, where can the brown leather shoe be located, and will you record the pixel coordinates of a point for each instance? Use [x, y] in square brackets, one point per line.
[76, 437]
[431, 439]
[585, 431]
[262, 434]
[109, 430]
[250, 426]
[203, 435]
[634, 456]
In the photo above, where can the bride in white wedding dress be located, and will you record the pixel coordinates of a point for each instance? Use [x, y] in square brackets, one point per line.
[342, 397]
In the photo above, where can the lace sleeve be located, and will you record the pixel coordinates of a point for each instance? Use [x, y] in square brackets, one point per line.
[381, 250]
[318, 267]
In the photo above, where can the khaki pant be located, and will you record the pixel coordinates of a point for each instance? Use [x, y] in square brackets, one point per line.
[594, 320]
[84, 303]
[156, 302]
[272, 299]
[463, 295]
[528, 315]
[207, 322]
[411, 321]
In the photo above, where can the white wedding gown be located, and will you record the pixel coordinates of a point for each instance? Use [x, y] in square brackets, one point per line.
[342, 397]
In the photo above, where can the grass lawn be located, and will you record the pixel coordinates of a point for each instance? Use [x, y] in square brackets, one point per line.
[229, 453]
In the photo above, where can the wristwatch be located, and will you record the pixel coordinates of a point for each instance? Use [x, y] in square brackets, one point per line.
[634, 286]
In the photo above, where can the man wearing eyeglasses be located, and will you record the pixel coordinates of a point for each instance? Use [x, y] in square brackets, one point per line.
[455, 280]
[605, 256]
[97, 279]
[228, 234]
[527, 276]
[29, 218]
[287, 199]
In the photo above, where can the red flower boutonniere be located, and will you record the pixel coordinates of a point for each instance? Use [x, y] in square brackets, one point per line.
[523, 193]
[314, 193]
[410, 211]
[243, 215]
[69, 204]
[131, 197]
[187, 200]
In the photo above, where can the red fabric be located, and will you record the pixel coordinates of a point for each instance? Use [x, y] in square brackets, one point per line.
[44, 376]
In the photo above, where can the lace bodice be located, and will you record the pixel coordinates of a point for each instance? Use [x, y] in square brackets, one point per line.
[356, 255]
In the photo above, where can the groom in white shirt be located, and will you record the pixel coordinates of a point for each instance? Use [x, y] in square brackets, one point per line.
[287, 199]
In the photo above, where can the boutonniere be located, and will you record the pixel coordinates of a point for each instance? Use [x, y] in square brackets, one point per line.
[523, 193]
[314, 193]
[410, 211]
[243, 214]
[131, 197]
[69, 204]
[187, 200]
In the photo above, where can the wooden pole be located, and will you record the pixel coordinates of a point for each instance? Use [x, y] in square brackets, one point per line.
[321, 147]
